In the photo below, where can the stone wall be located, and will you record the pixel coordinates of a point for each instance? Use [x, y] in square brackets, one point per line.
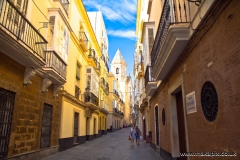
[28, 108]
[219, 46]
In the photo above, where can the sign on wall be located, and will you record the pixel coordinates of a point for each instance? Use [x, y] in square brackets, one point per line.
[191, 103]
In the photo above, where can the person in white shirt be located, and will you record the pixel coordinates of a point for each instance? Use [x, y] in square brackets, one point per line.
[132, 135]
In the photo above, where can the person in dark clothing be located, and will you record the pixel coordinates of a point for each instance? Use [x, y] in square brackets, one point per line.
[137, 134]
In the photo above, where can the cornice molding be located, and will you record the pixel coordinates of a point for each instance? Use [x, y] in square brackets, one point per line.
[73, 99]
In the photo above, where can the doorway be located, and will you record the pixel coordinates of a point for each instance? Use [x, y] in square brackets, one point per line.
[178, 123]
[156, 126]
[76, 119]
[181, 124]
[94, 128]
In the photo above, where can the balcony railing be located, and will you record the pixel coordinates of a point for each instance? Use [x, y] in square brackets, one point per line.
[148, 76]
[103, 58]
[54, 62]
[174, 12]
[107, 66]
[115, 110]
[90, 97]
[105, 85]
[17, 24]
[92, 54]
[116, 93]
[83, 40]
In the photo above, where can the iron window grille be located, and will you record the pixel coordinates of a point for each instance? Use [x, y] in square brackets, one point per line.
[6, 112]
[46, 126]
[209, 101]
[163, 116]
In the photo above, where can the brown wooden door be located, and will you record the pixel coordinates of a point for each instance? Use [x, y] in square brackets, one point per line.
[181, 125]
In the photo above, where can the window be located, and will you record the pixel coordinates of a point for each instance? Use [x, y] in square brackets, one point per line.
[77, 91]
[6, 113]
[89, 81]
[46, 126]
[117, 70]
[150, 39]
[75, 136]
[51, 31]
[77, 72]
[114, 85]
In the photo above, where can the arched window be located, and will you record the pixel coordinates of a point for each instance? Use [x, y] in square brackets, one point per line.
[117, 70]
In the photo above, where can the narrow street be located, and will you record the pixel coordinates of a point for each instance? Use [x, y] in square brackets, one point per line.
[113, 146]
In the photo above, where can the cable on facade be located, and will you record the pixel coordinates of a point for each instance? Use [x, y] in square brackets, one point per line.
[40, 10]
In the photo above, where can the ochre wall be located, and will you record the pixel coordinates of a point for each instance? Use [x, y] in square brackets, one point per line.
[28, 108]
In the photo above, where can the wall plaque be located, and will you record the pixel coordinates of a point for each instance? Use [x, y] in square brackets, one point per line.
[191, 103]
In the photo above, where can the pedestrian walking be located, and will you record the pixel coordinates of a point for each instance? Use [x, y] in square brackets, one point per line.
[137, 135]
[132, 135]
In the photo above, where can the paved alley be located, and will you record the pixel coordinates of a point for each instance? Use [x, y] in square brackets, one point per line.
[113, 146]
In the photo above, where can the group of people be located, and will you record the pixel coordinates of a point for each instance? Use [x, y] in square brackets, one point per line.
[135, 134]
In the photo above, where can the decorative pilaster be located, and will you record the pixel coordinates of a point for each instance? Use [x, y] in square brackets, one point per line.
[46, 83]
[28, 75]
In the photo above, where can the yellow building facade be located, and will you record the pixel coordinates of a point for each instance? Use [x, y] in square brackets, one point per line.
[34, 54]
[100, 31]
[115, 116]
[83, 109]
[53, 78]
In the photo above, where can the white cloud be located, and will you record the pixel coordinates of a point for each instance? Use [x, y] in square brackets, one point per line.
[130, 34]
[115, 10]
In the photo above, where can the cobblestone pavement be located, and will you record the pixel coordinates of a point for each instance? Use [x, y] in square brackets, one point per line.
[113, 146]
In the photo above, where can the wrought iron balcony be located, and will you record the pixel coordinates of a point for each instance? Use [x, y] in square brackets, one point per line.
[92, 54]
[148, 76]
[103, 58]
[90, 97]
[83, 40]
[107, 66]
[55, 64]
[104, 85]
[171, 38]
[116, 93]
[18, 32]
[116, 111]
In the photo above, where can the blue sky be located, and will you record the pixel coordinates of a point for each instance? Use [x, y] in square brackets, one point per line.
[120, 21]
